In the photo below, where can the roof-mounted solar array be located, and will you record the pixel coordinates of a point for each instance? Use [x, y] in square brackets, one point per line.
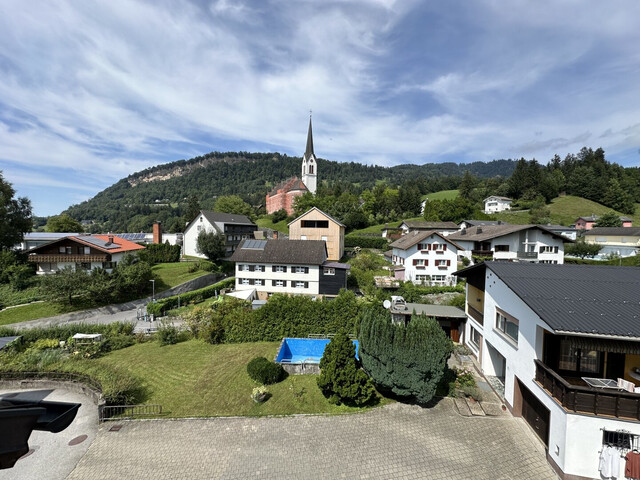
[98, 242]
[254, 244]
[132, 237]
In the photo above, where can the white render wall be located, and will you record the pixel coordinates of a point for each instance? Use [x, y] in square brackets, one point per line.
[578, 438]
[535, 238]
[412, 253]
[494, 205]
[190, 238]
[313, 277]
[54, 267]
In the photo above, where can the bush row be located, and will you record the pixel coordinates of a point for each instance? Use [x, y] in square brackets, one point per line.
[160, 253]
[196, 296]
[365, 242]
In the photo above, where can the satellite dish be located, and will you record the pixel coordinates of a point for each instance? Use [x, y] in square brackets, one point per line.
[386, 304]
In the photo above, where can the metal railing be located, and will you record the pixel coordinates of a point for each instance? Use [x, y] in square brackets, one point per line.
[122, 412]
[527, 255]
[588, 400]
[475, 314]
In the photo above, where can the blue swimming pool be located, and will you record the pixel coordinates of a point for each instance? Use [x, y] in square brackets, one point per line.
[303, 350]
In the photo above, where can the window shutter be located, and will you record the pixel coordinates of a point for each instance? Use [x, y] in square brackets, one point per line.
[428, 246]
[306, 270]
[273, 269]
[541, 249]
[426, 263]
[306, 284]
[252, 268]
[448, 263]
[444, 246]
[285, 270]
[273, 282]
[284, 284]
[251, 281]
[555, 249]
[415, 262]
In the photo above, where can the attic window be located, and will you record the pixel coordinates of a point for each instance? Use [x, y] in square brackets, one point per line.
[200, 218]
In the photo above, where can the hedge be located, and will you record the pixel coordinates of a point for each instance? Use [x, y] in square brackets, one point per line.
[195, 296]
[365, 242]
[160, 253]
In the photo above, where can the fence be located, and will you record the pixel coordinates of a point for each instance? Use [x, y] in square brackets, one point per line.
[121, 412]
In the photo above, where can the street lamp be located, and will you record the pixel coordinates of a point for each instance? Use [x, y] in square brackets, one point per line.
[153, 295]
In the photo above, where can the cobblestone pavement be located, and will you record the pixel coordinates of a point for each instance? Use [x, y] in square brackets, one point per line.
[394, 442]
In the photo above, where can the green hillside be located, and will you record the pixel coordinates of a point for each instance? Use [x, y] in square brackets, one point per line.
[565, 210]
[442, 195]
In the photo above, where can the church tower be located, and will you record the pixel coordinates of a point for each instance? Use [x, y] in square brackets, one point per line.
[310, 164]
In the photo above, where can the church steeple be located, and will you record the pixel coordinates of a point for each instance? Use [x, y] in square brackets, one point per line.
[310, 163]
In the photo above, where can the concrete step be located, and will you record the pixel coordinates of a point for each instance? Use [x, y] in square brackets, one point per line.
[463, 408]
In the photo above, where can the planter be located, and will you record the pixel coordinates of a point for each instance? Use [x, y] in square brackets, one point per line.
[259, 398]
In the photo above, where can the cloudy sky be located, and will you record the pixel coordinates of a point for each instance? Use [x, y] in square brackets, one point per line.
[93, 91]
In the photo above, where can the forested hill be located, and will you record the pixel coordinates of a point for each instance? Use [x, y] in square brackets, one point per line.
[161, 192]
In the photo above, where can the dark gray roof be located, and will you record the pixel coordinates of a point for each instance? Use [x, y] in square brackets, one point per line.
[488, 232]
[474, 223]
[411, 238]
[342, 266]
[99, 242]
[585, 299]
[309, 150]
[4, 341]
[422, 225]
[617, 231]
[300, 252]
[558, 228]
[230, 218]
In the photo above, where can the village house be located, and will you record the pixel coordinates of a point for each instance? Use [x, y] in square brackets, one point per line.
[495, 204]
[427, 258]
[287, 266]
[81, 252]
[587, 223]
[314, 224]
[443, 228]
[563, 343]
[234, 227]
[526, 243]
[620, 241]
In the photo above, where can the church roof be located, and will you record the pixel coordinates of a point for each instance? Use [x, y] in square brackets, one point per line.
[309, 151]
[293, 183]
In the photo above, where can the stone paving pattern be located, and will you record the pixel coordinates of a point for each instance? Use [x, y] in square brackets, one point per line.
[395, 442]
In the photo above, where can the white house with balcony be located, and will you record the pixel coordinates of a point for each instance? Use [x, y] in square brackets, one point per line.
[427, 258]
[287, 266]
[495, 204]
[234, 227]
[564, 343]
[526, 243]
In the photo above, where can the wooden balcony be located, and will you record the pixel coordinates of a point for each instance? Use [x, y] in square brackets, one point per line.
[62, 258]
[588, 400]
[475, 314]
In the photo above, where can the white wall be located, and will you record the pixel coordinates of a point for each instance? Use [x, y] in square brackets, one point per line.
[313, 277]
[494, 205]
[411, 271]
[578, 437]
[535, 238]
[191, 235]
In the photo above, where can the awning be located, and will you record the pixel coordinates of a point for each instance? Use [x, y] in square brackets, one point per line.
[604, 345]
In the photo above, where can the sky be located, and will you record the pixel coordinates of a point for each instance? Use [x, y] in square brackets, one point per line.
[91, 92]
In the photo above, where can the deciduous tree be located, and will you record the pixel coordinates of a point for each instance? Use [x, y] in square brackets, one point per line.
[63, 223]
[211, 245]
[15, 216]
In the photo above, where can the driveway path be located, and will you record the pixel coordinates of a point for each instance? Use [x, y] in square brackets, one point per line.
[397, 441]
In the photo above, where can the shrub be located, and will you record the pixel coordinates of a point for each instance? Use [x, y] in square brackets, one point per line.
[340, 379]
[63, 332]
[167, 335]
[160, 253]
[45, 343]
[117, 342]
[365, 242]
[265, 372]
[407, 360]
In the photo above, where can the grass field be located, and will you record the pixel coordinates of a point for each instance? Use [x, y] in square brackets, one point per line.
[194, 378]
[442, 195]
[171, 274]
[565, 211]
[265, 222]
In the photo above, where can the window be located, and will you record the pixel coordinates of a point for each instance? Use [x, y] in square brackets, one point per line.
[87, 250]
[507, 325]
[420, 262]
[301, 284]
[310, 169]
[83, 266]
[329, 271]
[315, 223]
[199, 228]
[423, 278]
[246, 281]
[279, 268]
[439, 247]
[300, 269]
[438, 278]
[108, 265]
[258, 281]
[501, 248]
[548, 249]
[229, 238]
[244, 268]
[578, 359]
[260, 268]
[443, 263]
[475, 338]
[278, 283]
[61, 250]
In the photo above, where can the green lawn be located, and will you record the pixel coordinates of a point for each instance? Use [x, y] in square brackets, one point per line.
[33, 311]
[171, 274]
[442, 195]
[265, 222]
[378, 228]
[195, 378]
[565, 211]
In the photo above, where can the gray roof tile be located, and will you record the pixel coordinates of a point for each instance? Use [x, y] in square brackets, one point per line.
[302, 252]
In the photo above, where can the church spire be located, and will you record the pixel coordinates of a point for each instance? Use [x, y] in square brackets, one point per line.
[309, 150]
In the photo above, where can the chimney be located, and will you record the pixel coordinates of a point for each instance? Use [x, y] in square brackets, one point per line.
[157, 232]
[109, 239]
[275, 234]
[499, 222]
[479, 230]
[463, 231]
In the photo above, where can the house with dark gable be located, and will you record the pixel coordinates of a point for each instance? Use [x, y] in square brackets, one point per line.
[564, 343]
[234, 227]
[287, 266]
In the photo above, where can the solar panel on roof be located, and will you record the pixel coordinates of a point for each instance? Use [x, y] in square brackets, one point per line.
[254, 244]
[100, 243]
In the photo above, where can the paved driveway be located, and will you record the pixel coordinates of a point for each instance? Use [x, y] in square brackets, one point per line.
[397, 441]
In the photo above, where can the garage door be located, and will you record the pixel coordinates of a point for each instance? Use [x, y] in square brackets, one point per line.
[535, 414]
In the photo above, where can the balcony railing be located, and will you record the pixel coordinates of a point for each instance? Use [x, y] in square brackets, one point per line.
[475, 314]
[482, 253]
[62, 258]
[588, 400]
[527, 255]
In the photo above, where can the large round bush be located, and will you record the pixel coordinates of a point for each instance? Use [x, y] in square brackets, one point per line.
[265, 372]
